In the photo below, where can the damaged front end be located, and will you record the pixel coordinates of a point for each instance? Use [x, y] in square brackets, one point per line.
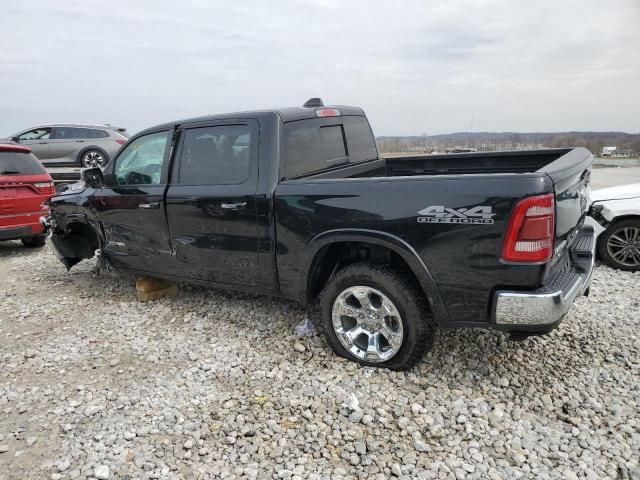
[74, 231]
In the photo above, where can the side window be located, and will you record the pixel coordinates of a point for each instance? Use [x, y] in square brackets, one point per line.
[140, 163]
[310, 146]
[36, 134]
[95, 133]
[216, 155]
[66, 133]
[360, 141]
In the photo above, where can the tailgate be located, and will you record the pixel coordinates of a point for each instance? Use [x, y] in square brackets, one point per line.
[22, 194]
[571, 176]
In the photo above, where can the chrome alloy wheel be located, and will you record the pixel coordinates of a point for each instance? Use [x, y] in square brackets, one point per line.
[367, 323]
[92, 158]
[624, 246]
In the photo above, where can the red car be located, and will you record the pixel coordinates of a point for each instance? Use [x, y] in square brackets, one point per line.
[24, 187]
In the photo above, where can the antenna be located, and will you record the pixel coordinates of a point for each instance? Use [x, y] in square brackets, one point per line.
[313, 102]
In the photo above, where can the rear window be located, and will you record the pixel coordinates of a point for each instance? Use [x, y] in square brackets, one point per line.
[16, 163]
[362, 145]
[310, 146]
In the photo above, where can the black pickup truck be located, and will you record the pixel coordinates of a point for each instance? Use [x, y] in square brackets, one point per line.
[297, 202]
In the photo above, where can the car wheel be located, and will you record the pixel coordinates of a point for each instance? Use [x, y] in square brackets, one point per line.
[376, 315]
[93, 158]
[34, 242]
[619, 245]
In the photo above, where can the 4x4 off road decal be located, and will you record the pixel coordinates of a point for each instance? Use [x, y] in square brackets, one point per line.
[480, 215]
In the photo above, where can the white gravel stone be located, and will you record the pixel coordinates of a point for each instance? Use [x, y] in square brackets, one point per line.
[102, 472]
[233, 399]
[92, 410]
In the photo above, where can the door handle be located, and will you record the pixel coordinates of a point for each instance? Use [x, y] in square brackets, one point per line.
[233, 206]
[79, 141]
[149, 205]
[43, 143]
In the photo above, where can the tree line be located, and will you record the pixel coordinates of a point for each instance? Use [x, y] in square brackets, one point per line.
[594, 141]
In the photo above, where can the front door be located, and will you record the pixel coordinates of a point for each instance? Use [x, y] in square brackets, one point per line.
[38, 141]
[211, 203]
[131, 205]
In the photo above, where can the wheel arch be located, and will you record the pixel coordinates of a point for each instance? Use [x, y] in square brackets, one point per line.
[332, 250]
[627, 216]
[76, 239]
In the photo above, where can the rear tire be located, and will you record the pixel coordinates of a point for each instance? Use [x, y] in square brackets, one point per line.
[389, 326]
[34, 242]
[93, 158]
[619, 245]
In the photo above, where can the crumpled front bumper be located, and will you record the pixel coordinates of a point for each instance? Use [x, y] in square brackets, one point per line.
[542, 309]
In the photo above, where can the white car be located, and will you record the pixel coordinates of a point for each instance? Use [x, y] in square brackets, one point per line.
[615, 216]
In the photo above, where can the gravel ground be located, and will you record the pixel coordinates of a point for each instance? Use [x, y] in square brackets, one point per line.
[211, 384]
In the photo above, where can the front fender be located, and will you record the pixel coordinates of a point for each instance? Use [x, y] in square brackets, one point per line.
[383, 239]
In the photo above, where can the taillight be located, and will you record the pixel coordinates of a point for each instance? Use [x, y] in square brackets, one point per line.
[120, 141]
[45, 188]
[530, 231]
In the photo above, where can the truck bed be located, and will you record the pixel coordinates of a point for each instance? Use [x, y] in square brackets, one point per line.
[387, 196]
[450, 164]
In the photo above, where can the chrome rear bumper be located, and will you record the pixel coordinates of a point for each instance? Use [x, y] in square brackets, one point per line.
[546, 306]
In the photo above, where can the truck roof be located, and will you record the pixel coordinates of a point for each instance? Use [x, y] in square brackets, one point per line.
[286, 114]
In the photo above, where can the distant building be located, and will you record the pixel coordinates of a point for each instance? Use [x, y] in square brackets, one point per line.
[616, 152]
[622, 153]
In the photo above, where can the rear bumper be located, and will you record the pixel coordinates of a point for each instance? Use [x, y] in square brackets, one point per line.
[13, 227]
[541, 310]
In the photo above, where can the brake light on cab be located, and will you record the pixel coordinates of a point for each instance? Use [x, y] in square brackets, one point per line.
[530, 231]
[327, 112]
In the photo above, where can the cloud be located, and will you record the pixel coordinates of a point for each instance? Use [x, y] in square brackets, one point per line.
[414, 66]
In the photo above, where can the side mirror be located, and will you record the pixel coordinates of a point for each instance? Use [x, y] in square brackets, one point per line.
[15, 139]
[93, 177]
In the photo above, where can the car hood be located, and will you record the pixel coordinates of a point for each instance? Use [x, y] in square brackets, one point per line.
[616, 193]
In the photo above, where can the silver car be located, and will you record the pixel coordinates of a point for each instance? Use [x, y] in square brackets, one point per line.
[77, 145]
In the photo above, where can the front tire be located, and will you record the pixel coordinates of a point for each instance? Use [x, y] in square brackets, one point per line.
[93, 158]
[377, 316]
[34, 242]
[619, 245]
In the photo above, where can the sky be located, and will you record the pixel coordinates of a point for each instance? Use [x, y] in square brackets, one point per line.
[415, 66]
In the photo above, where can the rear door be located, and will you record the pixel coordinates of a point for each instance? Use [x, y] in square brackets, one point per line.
[131, 204]
[211, 203]
[64, 145]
